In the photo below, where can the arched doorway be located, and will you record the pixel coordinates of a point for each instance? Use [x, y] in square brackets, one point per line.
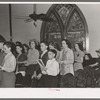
[68, 22]
[2, 38]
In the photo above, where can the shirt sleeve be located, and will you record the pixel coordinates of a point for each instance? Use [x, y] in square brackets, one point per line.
[53, 70]
[9, 64]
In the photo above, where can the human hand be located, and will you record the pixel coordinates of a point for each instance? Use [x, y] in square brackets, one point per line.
[39, 76]
[61, 62]
[27, 64]
[33, 76]
[44, 72]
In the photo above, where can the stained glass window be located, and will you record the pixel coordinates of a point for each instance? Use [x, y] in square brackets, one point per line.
[68, 22]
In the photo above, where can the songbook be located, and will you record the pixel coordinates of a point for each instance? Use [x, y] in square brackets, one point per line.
[40, 62]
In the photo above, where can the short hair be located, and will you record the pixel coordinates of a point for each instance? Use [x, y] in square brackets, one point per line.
[53, 51]
[26, 46]
[52, 43]
[11, 45]
[8, 44]
[80, 46]
[21, 46]
[44, 42]
[67, 42]
[89, 55]
[18, 43]
[33, 40]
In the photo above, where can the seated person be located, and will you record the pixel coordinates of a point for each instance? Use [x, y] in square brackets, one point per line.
[88, 60]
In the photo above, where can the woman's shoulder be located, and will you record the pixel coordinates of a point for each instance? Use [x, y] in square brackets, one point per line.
[23, 55]
[70, 50]
[81, 53]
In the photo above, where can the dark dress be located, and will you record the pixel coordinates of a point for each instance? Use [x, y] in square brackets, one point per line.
[20, 67]
[89, 62]
[41, 82]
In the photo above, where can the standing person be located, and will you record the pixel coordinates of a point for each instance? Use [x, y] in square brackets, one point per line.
[66, 59]
[31, 63]
[44, 58]
[52, 45]
[51, 70]
[8, 67]
[2, 55]
[20, 71]
[78, 54]
[26, 48]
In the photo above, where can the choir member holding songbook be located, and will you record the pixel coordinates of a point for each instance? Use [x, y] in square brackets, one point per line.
[44, 59]
[51, 70]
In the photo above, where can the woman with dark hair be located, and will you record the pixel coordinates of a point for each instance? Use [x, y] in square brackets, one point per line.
[20, 71]
[66, 58]
[8, 67]
[88, 60]
[52, 45]
[78, 54]
[26, 48]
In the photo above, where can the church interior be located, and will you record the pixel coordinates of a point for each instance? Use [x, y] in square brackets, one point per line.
[22, 31]
[54, 22]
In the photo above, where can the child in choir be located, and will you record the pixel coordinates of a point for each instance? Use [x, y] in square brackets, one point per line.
[51, 70]
[44, 58]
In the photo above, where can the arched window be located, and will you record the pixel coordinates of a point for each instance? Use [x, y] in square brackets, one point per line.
[2, 38]
[68, 23]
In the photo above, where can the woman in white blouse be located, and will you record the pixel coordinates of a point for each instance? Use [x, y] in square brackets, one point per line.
[8, 67]
[66, 58]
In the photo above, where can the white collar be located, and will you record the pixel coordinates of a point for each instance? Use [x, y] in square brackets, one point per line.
[8, 54]
[52, 59]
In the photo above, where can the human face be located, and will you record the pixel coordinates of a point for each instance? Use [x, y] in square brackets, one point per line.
[1, 45]
[51, 46]
[64, 45]
[32, 44]
[25, 49]
[51, 55]
[43, 47]
[76, 47]
[86, 57]
[6, 49]
[18, 49]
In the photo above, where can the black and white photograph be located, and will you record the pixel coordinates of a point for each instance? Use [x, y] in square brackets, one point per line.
[49, 45]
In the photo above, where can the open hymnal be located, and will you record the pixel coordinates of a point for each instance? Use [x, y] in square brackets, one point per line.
[40, 62]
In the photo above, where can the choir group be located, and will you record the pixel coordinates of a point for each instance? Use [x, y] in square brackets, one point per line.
[46, 65]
